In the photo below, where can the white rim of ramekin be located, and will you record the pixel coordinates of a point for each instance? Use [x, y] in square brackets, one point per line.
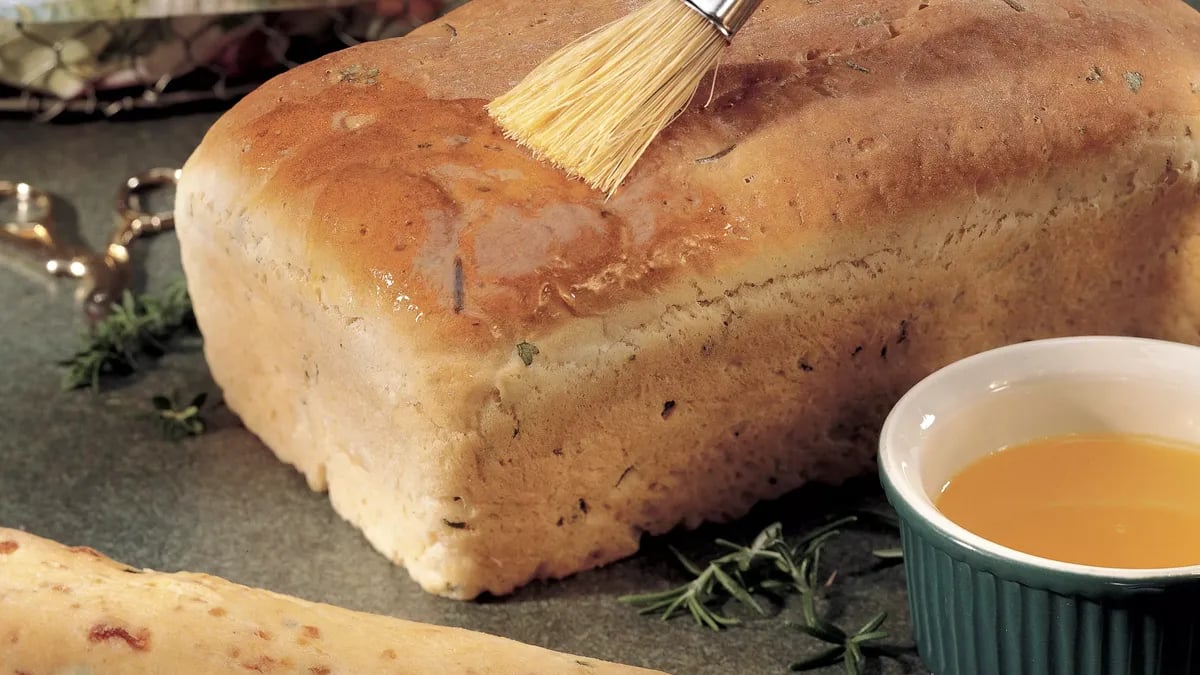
[919, 501]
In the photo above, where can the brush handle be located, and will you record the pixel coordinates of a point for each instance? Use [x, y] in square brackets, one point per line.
[727, 16]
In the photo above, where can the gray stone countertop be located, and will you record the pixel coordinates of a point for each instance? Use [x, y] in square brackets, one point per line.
[86, 468]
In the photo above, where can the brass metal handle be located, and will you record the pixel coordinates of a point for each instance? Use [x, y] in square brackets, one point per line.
[33, 209]
[104, 276]
[132, 220]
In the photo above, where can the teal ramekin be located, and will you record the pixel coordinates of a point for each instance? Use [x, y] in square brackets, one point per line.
[979, 608]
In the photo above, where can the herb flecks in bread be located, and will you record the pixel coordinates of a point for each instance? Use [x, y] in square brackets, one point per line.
[981, 198]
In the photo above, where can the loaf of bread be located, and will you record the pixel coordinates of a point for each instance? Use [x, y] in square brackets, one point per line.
[501, 376]
[72, 610]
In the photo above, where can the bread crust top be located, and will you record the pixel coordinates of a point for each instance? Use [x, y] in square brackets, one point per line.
[825, 121]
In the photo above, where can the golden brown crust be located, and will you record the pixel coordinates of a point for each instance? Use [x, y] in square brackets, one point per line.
[825, 117]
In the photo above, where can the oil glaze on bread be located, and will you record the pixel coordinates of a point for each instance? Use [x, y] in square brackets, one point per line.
[72, 610]
[499, 376]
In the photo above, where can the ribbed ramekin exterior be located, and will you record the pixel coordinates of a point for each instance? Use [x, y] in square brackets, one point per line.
[971, 618]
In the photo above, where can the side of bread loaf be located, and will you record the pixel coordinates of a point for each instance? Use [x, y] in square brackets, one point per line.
[500, 376]
[72, 610]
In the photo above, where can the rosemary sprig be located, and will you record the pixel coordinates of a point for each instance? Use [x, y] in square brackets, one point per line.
[771, 565]
[734, 574]
[768, 565]
[852, 650]
[178, 422]
[138, 327]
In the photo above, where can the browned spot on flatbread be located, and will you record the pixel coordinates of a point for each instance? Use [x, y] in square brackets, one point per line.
[263, 635]
[312, 632]
[7, 547]
[138, 640]
[264, 664]
[87, 550]
[319, 670]
[217, 611]
[389, 654]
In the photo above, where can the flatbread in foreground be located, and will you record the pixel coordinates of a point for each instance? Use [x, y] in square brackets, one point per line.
[74, 611]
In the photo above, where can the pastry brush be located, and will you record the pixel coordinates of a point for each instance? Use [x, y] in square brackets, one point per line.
[593, 108]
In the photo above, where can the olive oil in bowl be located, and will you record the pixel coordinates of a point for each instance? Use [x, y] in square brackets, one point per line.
[1105, 500]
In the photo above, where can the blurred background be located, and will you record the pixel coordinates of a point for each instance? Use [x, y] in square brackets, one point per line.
[102, 58]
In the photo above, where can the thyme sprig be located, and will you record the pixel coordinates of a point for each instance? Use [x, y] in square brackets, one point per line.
[772, 566]
[137, 328]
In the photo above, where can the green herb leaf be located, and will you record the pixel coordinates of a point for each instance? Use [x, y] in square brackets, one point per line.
[825, 532]
[180, 422]
[888, 553]
[716, 155]
[527, 350]
[687, 564]
[736, 590]
[852, 658]
[860, 638]
[1134, 81]
[872, 627]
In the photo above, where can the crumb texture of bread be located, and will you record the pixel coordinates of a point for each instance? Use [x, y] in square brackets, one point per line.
[500, 376]
[73, 610]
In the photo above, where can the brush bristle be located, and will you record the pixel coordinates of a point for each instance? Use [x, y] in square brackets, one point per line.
[594, 107]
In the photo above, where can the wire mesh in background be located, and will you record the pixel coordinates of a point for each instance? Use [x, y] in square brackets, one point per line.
[97, 57]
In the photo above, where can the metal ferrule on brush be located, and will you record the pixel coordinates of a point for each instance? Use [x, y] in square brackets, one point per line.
[728, 16]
